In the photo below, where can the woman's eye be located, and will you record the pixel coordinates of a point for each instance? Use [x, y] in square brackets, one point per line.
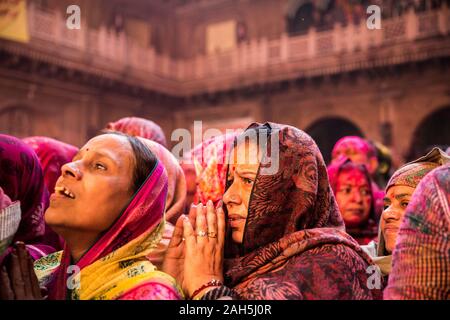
[404, 204]
[365, 192]
[100, 166]
[247, 180]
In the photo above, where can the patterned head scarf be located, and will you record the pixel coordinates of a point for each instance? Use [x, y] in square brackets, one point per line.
[411, 173]
[139, 127]
[52, 154]
[292, 215]
[420, 269]
[21, 178]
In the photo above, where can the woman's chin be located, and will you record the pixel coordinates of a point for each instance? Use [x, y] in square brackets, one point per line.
[353, 221]
[53, 218]
[237, 236]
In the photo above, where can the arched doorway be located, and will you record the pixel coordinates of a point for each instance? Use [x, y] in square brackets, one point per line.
[326, 132]
[16, 121]
[431, 132]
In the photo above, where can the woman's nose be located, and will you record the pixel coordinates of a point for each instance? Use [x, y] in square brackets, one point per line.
[357, 197]
[390, 214]
[71, 170]
[231, 196]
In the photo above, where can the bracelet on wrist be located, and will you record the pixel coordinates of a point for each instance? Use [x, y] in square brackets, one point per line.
[212, 283]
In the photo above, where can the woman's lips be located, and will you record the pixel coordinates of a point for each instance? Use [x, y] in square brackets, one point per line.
[355, 211]
[391, 229]
[235, 220]
[63, 191]
[58, 196]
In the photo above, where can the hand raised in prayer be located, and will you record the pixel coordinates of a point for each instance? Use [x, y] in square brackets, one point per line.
[173, 263]
[204, 247]
[19, 282]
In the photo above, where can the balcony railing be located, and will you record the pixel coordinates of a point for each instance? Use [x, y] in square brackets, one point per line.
[116, 54]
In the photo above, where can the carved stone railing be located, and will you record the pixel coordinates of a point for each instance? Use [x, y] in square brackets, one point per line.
[260, 60]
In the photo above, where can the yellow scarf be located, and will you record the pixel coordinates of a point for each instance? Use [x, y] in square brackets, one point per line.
[111, 276]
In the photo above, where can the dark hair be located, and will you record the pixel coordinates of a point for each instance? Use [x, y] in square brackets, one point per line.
[145, 160]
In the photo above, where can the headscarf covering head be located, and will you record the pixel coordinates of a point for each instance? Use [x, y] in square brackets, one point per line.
[292, 215]
[52, 154]
[139, 127]
[346, 165]
[352, 146]
[297, 197]
[411, 173]
[21, 178]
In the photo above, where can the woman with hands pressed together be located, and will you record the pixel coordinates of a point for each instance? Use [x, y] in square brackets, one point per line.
[284, 237]
[195, 253]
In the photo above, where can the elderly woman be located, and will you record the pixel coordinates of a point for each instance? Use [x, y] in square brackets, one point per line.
[352, 186]
[108, 206]
[399, 192]
[285, 237]
[421, 268]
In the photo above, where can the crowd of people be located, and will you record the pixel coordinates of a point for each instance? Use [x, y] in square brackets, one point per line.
[121, 218]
